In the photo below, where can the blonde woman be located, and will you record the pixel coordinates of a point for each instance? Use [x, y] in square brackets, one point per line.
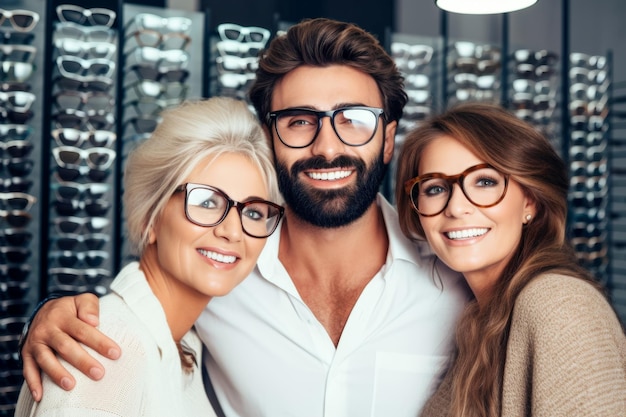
[196, 199]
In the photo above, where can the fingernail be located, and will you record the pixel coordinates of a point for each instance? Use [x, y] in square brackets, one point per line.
[93, 318]
[66, 383]
[114, 353]
[96, 373]
[34, 394]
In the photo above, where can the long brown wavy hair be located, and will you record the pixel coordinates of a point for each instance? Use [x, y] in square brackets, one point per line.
[515, 148]
[323, 42]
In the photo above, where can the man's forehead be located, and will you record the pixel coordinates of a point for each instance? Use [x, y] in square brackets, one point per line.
[325, 88]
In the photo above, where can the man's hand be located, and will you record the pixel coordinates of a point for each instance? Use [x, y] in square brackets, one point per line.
[58, 327]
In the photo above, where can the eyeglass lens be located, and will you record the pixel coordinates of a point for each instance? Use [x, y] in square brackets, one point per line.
[298, 128]
[483, 187]
[209, 207]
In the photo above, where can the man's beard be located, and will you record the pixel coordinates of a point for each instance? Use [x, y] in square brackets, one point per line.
[331, 208]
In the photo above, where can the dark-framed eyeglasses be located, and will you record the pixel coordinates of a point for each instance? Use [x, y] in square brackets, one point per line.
[483, 185]
[299, 127]
[208, 206]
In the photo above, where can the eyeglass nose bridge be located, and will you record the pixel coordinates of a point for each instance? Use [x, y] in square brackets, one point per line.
[451, 180]
[331, 115]
[230, 204]
[459, 180]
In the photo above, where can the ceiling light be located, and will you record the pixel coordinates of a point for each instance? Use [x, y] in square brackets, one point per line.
[483, 6]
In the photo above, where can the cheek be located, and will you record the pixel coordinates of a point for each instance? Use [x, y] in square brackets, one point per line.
[253, 249]
[428, 225]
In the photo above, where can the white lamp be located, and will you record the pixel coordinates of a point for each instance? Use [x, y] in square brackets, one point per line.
[483, 6]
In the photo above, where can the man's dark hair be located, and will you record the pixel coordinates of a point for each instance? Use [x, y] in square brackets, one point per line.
[322, 42]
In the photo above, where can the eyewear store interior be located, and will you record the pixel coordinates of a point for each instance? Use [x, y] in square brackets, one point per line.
[80, 86]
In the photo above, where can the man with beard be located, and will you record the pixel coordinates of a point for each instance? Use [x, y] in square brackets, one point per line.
[343, 316]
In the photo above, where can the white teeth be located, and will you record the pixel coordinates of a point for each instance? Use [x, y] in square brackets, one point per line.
[218, 257]
[329, 176]
[467, 233]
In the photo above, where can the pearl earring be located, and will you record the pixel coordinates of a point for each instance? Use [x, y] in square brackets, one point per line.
[528, 217]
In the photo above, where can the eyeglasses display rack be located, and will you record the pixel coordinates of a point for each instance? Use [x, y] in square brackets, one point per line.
[617, 194]
[589, 81]
[83, 120]
[163, 66]
[529, 83]
[419, 59]
[21, 105]
[81, 85]
[236, 49]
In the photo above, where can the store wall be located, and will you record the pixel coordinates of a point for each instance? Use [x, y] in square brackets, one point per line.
[595, 26]
[367, 13]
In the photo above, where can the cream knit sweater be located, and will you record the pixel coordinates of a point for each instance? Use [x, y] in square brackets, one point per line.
[566, 355]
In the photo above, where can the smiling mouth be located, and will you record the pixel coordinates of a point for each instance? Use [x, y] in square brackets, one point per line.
[225, 259]
[466, 234]
[330, 176]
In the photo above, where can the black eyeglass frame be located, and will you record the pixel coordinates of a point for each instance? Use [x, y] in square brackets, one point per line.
[451, 180]
[230, 203]
[273, 116]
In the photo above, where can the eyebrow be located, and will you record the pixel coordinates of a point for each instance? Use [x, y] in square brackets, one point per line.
[335, 107]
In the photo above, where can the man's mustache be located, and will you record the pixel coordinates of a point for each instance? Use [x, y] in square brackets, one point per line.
[319, 162]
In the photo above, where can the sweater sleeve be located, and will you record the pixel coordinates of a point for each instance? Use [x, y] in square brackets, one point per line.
[566, 354]
[118, 393]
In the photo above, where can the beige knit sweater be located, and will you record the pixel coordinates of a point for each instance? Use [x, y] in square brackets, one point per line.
[566, 355]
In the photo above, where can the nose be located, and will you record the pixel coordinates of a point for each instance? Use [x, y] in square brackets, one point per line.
[327, 143]
[458, 204]
[230, 228]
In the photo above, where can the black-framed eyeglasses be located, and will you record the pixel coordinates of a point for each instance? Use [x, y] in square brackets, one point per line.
[73, 241]
[208, 206]
[72, 66]
[161, 74]
[80, 225]
[73, 276]
[299, 127]
[483, 185]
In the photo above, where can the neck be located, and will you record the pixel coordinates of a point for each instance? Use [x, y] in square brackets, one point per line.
[331, 267]
[362, 242]
[182, 305]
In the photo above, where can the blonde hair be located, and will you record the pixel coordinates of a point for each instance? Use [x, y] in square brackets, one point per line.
[186, 135]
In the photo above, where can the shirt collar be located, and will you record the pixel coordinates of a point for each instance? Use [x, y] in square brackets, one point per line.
[400, 247]
[131, 285]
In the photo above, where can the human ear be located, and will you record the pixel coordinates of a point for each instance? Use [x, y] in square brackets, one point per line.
[389, 141]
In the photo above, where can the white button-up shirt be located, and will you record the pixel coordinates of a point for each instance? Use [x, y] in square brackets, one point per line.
[270, 356]
[147, 380]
